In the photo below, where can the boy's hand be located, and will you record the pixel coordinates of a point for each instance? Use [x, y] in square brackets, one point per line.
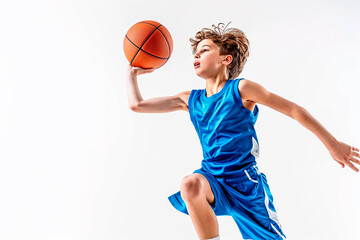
[138, 71]
[345, 154]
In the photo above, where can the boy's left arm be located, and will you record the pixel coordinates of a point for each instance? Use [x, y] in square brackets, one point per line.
[340, 152]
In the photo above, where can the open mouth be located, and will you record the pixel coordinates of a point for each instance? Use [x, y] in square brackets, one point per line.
[196, 64]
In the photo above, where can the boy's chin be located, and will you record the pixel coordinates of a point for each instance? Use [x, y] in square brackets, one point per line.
[199, 74]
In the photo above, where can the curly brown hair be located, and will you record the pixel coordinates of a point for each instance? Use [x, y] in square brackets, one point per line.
[231, 41]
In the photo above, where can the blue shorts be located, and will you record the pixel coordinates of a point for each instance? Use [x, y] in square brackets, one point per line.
[245, 197]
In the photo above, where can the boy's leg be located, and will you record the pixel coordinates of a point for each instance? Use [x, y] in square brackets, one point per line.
[216, 238]
[197, 194]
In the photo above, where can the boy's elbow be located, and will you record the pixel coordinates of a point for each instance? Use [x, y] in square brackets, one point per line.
[134, 108]
[297, 111]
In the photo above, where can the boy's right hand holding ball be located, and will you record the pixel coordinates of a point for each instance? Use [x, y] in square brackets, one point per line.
[138, 71]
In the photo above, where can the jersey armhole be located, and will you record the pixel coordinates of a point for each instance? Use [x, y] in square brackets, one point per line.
[190, 103]
[239, 100]
[237, 93]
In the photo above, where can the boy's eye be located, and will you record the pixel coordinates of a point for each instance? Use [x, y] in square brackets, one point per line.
[203, 50]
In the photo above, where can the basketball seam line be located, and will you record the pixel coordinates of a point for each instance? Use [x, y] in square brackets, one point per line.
[162, 34]
[143, 49]
[166, 42]
[144, 43]
[151, 24]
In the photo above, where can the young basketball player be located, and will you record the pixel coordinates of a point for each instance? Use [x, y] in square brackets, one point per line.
[224, 114]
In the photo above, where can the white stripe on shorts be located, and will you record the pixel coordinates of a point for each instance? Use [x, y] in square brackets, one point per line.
[272, 215]
[247, 174]
[277, 231]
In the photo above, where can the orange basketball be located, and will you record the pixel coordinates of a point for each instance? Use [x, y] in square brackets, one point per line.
[148, 44]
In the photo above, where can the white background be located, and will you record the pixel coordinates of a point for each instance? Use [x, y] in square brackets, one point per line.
[76, 163]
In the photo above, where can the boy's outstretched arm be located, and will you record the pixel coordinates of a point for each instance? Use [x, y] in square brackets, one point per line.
[153, 105]
[340, 152]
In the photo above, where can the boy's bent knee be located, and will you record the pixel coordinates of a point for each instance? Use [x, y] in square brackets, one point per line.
[191, 188]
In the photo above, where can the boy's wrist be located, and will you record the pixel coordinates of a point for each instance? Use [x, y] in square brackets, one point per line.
[332, 143]
[131, 74]
[131, 71]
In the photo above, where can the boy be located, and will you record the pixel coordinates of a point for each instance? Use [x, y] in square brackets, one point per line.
[224, 115]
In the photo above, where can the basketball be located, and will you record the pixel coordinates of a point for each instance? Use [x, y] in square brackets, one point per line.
[148, 44]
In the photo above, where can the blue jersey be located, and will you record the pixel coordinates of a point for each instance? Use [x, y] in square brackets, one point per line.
[230, 149]
[225, 129]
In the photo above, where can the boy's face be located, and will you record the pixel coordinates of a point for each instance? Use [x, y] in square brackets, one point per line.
[207, 60]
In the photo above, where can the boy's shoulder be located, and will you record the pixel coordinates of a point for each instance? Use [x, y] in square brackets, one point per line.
[184, 96]
[242, 83]
[244, 88]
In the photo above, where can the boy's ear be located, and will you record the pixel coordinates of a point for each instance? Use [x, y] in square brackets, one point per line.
[227, 59]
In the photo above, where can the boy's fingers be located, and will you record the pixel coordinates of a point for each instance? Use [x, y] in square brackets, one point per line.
[342, 165]
[355, 154]
[144, 70]
[355, 160]
[352, 166]
[148, 70]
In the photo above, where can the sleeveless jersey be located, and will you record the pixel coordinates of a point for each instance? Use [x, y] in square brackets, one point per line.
[225, 129]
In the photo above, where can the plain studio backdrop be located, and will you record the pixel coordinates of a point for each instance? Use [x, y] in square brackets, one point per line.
[76, 163]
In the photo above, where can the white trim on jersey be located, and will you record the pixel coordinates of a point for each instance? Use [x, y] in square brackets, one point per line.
[255, 148]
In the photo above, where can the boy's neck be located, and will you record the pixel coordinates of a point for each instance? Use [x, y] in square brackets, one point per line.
[215, 84]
